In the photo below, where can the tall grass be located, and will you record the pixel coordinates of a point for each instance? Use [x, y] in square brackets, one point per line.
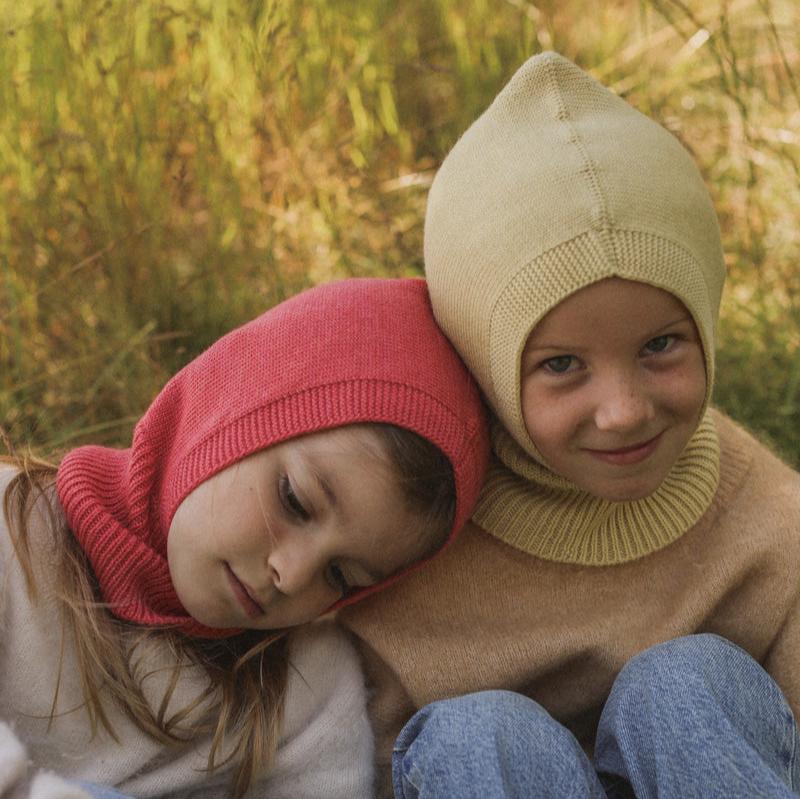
[170, 168]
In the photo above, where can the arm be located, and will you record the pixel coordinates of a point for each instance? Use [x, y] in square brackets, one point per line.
[326, 748]
[767, 507]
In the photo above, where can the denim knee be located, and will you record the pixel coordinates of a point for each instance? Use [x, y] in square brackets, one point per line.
[491, 743]
[677, 670]
[690, 652]
[458, 726]
[698, 707]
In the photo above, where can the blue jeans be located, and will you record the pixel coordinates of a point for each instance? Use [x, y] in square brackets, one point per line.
[693, 718]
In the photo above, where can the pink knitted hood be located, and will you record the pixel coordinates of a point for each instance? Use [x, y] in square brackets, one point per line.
[361, 350]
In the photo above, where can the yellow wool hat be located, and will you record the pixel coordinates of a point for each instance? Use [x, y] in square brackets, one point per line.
[558, 184]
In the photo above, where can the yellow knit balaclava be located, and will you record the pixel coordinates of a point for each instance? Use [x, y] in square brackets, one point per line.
[558, 184]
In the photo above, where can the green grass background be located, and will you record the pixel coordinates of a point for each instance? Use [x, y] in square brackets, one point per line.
[171, 169]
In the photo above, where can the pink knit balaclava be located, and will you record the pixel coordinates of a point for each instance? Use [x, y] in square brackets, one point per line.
[361, 350]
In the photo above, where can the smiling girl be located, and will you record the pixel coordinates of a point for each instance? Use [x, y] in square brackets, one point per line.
[303, 462]
[631, 574]
[613, 383]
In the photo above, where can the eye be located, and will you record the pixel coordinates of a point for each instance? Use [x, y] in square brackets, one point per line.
[560, 365]
[290, 501]
[659, 344]
[337, 580]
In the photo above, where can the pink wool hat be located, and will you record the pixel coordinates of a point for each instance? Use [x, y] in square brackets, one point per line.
[361, 350]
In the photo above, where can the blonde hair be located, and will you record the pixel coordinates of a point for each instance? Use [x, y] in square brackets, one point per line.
[241, 706]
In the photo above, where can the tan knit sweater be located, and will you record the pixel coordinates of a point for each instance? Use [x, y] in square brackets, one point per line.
[487, 615]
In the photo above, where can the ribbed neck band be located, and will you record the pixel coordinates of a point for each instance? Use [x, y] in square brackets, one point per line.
[531, 508]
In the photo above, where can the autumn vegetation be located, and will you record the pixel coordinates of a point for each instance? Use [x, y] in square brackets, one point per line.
[171, 168]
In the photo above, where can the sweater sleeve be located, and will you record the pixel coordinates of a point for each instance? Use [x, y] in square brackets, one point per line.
[768, 502]
[326, 750]
[772, 491]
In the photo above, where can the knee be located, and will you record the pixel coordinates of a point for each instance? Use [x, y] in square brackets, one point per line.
[695, 671]
[683, 665]
[689, 651]
[689, 696]
[485, 740]
[508, 725]
[499, 719]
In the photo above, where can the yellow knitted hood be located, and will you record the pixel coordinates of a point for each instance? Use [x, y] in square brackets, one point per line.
[559, 184]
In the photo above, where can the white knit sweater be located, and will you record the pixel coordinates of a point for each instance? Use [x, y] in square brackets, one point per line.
[325, 749]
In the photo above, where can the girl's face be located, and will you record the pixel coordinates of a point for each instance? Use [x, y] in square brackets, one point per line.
[276, 539]
[613, 382]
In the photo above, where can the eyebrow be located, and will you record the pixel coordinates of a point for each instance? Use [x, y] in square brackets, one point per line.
[559, 347]
[569, 348]
[685, 318]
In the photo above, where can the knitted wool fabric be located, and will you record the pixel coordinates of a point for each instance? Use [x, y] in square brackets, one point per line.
[361, 350]
[558, 185]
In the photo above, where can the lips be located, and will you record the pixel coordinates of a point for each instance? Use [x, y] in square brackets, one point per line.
[626, 456]
[244, 594]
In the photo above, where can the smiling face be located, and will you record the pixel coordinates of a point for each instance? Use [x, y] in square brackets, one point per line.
[277, 538]
[613, 383]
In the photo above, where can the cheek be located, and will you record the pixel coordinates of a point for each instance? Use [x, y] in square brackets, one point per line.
[687, 389]
[293, 611]
[182, 565]
[548, 420]
[531, 406]
[180, 541]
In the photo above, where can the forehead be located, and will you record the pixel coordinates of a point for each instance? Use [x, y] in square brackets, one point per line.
[613, 304]
[348, 440]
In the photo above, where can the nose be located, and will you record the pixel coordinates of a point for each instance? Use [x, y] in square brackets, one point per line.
[623, 404]
[295, 564]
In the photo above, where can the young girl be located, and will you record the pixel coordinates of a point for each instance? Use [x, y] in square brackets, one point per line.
[574, 258]
[303, 462]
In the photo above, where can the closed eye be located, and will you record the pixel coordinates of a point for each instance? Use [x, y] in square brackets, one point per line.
[293, 506]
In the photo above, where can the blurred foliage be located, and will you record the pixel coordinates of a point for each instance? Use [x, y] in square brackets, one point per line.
[170, 168]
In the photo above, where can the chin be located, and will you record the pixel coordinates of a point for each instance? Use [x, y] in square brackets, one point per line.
[213, 621]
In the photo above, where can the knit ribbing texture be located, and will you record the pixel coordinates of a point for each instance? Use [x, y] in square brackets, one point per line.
[361, 350]
[561, 523]
[557, 185]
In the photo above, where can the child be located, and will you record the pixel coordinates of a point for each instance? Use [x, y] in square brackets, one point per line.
[574, 259]
[303, 462]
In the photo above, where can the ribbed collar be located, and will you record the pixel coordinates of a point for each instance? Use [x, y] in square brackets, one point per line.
[531, 508]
